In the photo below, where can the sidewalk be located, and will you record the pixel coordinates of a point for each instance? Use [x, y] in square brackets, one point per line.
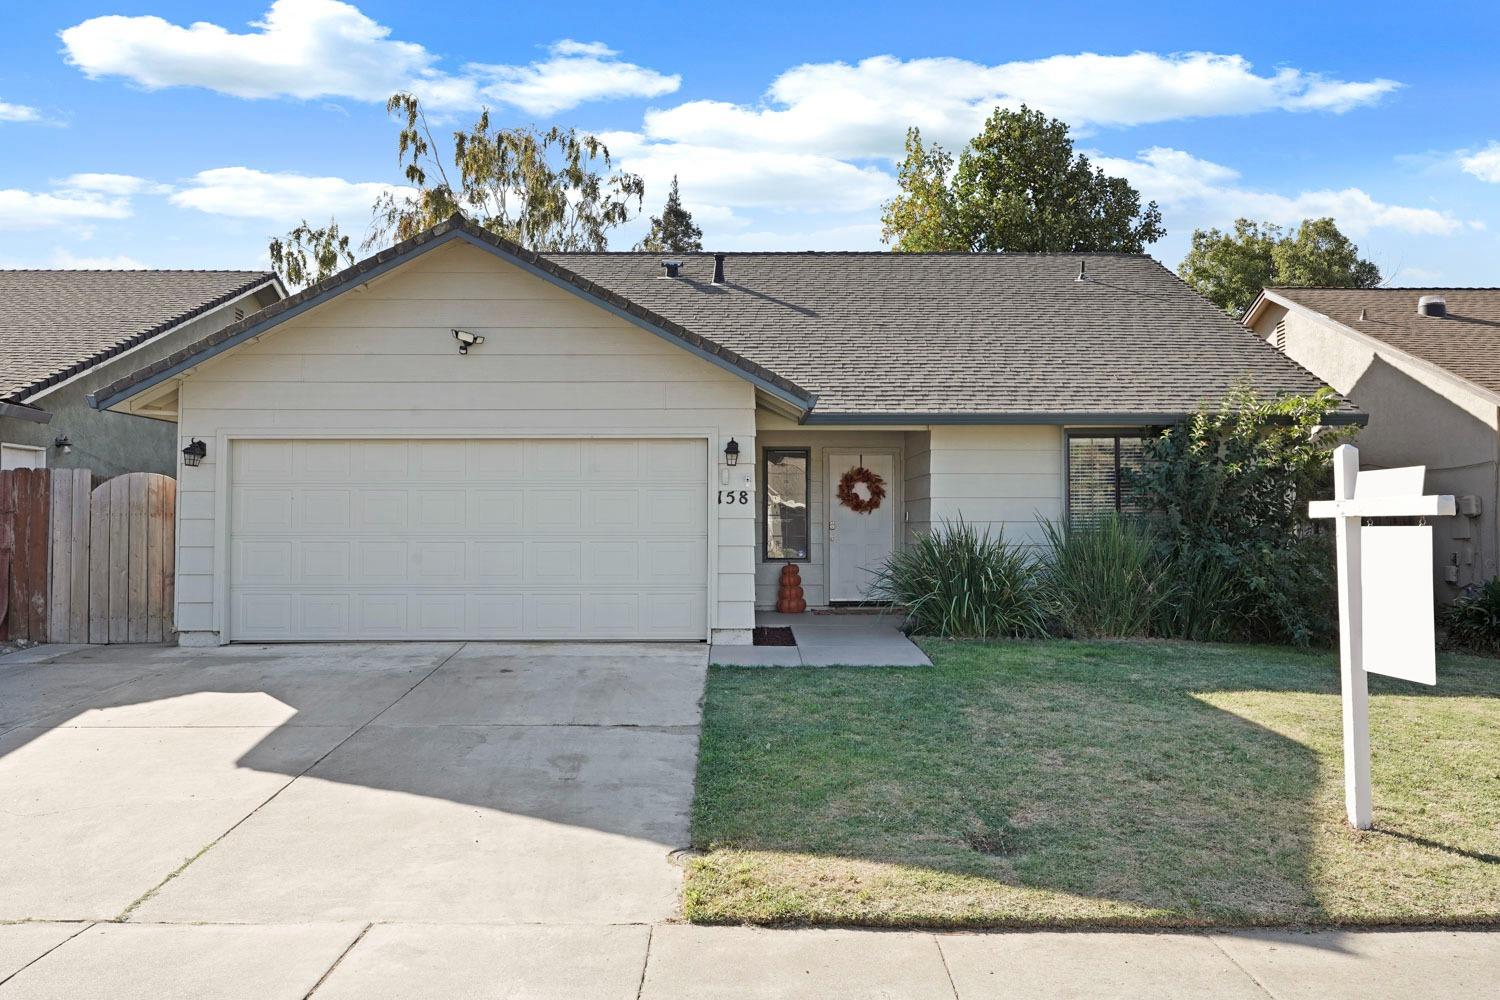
[679, 962]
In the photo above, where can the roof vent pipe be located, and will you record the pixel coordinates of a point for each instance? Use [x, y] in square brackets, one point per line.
[718, 269]
[673, 268]
[1083, 272]
[1432, 305]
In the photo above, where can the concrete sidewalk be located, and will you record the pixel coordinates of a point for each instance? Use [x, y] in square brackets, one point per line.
[334, 961]
[846, 639]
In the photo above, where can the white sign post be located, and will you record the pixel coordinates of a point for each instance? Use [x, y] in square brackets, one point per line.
[1385, 597]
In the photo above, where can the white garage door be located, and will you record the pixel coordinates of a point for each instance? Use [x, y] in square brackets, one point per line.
[474, 539]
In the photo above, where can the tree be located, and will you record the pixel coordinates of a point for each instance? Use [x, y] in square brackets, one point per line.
[1230, 269]
[673, 231]
[546, 190]
[1019, 187]
[309, 255]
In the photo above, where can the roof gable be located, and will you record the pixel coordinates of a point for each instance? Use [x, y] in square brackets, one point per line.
[393, 257]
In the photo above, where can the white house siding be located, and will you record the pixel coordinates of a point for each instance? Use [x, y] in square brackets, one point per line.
[382, 361]
[1417, 417]
[1001, 477]
[918, 482]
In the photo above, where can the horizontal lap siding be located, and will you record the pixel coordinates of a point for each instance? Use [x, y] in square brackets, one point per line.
[384, 360]
[1003, 478]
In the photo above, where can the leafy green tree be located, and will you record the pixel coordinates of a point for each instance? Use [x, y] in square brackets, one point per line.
[546, 190]
[674, 230]
[1227, 488]
[1018, 186]
[1230, 269]
[309, 255]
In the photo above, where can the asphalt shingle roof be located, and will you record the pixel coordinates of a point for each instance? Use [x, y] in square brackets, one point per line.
[994, 334]
[54, 324]
[875, 334]
[1466, 342]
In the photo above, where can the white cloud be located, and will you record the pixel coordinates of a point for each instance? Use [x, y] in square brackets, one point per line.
[864, 109]
[325, 48]
[247, 193]
[113, 184]
[1207, 192]
[576, 73]
[18, 113]
[20, 209]
[1484, 164]
[117, 262]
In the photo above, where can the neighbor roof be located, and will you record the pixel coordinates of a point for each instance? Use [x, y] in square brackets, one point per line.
[54, 324]
[882, 336]
[1466, 342]
[980, 336]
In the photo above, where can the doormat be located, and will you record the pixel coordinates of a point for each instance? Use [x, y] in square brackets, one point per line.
[766, 635]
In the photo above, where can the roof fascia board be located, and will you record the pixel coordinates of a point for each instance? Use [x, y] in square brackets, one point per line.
[1066, 419]
[20, 411]
[1375, 343]
[110, 359]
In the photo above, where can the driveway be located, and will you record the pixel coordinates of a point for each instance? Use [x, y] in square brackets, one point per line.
[435, 782]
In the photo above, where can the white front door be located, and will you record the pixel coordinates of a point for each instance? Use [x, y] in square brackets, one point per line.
[858, 544]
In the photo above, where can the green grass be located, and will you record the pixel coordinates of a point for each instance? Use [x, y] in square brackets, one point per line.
[1056, 783]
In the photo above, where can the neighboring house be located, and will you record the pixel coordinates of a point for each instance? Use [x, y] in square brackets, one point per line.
[1424, 363]
[65, 333]
[594, 467]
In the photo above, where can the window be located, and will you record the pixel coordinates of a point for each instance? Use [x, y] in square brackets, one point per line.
[788, 486]
[22, 456]
[1096, 481]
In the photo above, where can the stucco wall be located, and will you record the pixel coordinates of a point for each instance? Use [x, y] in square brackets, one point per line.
[1417, 417]
[383, 360]
[113, 443]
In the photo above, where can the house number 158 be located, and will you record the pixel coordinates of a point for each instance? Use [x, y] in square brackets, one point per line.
[731, 497]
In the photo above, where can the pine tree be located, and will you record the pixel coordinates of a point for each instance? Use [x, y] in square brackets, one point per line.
[673, 231]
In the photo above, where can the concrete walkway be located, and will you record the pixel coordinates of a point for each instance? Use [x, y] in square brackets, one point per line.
[847, 639]
[341, 961]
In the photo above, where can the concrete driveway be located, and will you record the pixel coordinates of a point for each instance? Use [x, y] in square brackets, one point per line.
[346, 784]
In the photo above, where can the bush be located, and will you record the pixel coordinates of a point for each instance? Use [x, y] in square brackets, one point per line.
[1472, 622]
[959, 583]
[1105, 579]
[1228, 488]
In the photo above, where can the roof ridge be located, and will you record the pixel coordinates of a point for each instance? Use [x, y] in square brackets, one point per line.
[135, 270]
[1387, 288]
[975, 254]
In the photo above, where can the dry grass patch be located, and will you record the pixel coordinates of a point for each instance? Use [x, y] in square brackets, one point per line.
[1106, 783]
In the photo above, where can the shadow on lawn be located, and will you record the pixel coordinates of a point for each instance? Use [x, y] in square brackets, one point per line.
[1139, 783]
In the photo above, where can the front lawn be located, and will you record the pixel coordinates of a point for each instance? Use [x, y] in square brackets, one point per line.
[1076, 783]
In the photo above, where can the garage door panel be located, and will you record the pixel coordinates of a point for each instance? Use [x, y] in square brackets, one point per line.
[469, 539]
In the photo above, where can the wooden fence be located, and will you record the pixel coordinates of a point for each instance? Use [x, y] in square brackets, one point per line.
[86, 563]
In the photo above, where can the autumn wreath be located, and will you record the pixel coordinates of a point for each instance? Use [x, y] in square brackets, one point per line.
[849, 498]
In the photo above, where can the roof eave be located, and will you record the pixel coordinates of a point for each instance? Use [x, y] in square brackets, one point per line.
[1069, 418]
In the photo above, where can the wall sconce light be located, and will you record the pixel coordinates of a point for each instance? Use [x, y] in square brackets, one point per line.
[192, 455]
[732, 452]
[63, 444]
[466, 340]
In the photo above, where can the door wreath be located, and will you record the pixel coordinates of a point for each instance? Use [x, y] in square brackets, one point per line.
[851, 499]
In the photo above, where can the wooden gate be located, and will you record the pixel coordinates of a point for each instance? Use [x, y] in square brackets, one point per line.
[87, 564]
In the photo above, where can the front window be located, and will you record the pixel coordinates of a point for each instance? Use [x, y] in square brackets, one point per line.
[787, 517]
[1096, 474]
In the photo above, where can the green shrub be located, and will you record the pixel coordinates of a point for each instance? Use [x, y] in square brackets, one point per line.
[1472, 622]
[959, 583]
[1105, 578]
[1228, 488]
[1206, 601]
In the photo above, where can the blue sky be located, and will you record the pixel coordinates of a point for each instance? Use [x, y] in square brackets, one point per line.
[134, 136]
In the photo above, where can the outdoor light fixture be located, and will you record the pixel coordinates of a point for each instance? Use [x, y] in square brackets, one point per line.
[63, 444]
[192, 455]
[466, 340]
[732, 452]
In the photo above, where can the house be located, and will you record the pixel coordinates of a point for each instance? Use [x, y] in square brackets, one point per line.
[65, 333]
[1424, 363]
[460, 438]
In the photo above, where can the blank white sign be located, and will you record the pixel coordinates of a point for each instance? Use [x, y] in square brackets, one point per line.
[1396, 577]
